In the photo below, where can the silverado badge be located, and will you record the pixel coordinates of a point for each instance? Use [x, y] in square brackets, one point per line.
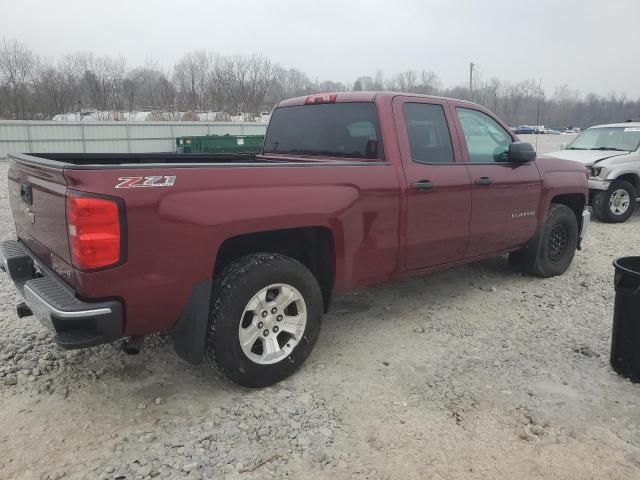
[530, 213]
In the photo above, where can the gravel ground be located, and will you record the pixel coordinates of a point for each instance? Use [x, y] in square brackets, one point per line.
[547, 143]
[476, 372]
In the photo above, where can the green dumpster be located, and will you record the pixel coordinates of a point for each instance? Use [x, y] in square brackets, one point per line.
[220, 144]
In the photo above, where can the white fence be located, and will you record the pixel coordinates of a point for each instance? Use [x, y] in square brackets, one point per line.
[109, 137]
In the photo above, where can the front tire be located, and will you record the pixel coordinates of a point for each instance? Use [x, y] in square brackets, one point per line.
[616, 204]
[264, 320]
[553, 248]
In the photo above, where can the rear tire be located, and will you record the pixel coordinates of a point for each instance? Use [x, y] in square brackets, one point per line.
[257, 301]
[616, 204]
[551, 251]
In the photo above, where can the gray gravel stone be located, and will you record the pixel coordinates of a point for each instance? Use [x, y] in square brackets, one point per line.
[537, 429]
[189, 466]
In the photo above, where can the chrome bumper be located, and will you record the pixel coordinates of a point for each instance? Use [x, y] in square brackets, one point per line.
[77, 324]
[596, 183]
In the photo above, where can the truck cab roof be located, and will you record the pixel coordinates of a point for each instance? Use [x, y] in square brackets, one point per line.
[364, 96]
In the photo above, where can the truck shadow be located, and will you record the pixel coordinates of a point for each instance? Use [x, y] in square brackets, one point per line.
[483, 275]
[157, 372]
[372, 307]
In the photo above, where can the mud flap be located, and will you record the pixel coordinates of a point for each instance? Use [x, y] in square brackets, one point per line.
[190, 333]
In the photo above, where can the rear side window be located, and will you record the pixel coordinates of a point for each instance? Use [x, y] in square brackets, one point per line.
[349, 130]
[429, 136]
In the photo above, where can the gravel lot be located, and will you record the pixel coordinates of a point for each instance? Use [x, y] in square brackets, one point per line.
[547, 143]
[476, 372]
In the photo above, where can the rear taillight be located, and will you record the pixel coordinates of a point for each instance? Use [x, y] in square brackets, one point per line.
[94, 229]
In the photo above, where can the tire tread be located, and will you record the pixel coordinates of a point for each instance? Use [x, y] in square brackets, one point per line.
[235, 276]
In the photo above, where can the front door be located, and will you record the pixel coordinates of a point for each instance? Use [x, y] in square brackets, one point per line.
[505, 196]
[438, 189]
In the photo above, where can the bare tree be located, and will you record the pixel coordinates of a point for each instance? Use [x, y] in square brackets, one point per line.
[200, 80]
[56, 85]
[288, 83]
[516, 97]
[244, 81]
[190, 75]
[378, 82]
[429, 83]
[329, 86]
[17, 67]
[154, 90]
[402, 82]
[102, 79]
[364, 83]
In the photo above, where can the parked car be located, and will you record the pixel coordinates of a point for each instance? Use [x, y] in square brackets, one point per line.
[525, 130]
[238, 256]
[611, 154]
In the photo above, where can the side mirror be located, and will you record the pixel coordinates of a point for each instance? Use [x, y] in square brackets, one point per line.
[521, 152]
[563, 146]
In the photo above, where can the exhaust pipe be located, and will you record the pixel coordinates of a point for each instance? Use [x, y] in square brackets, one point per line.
[133, 345]
[23, 310]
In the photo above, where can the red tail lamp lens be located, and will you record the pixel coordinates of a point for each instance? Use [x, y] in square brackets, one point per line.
[93, 226]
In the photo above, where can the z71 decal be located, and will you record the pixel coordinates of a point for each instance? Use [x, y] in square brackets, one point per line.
[141, 182]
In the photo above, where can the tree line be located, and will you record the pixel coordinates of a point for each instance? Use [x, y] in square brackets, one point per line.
[34, 87]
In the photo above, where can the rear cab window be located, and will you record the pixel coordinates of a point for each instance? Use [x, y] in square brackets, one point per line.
[343, 130]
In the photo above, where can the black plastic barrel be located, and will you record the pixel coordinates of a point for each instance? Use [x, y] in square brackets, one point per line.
[625, 340]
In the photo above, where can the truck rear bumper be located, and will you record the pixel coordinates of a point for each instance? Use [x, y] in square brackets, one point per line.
[76, 324]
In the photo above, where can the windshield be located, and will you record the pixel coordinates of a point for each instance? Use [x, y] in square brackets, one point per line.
[348, 130]
[626, 139]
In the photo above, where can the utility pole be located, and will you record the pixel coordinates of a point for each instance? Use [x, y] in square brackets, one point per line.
[471, 65]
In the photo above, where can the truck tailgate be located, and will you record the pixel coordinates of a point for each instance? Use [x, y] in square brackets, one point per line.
[37, 197]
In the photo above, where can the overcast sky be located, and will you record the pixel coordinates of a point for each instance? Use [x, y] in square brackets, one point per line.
[592, 45]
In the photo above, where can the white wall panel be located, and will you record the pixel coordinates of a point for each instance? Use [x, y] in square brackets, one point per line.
[142, 146]
[109, 137]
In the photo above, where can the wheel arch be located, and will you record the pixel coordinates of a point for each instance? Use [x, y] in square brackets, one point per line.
[312, 246]
[575, 201]
[632, 177]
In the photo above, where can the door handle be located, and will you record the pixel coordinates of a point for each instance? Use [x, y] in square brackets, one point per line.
[484, 181]
[422, 185]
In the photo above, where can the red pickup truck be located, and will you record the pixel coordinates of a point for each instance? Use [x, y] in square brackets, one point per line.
[238, 256]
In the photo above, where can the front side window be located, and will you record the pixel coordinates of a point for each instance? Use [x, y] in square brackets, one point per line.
[428, 133]
[349, 130]
[487, 141]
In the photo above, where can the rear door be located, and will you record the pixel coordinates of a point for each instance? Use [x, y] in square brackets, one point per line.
[37, 197]
[505, 196]
[438, 188]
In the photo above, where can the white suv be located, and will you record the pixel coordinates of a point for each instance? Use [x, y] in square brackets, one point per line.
[612, 155]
